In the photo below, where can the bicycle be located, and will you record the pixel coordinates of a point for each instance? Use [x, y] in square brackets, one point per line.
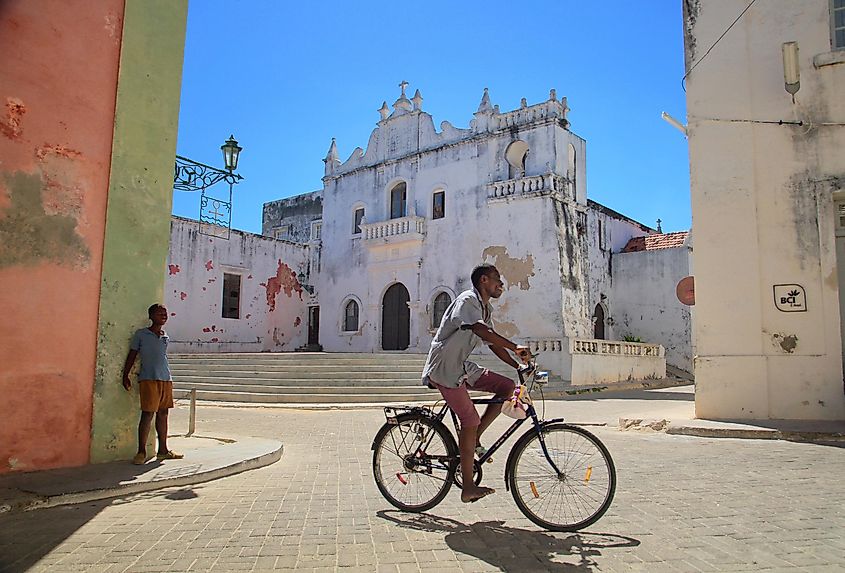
[561, 476]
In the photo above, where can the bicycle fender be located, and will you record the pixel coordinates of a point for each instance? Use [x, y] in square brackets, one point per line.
[527, 432]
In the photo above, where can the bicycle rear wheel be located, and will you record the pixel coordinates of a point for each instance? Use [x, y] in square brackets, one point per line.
[414, 462]
[577, 497]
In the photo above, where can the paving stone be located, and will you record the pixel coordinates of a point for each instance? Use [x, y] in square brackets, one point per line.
[682, 504]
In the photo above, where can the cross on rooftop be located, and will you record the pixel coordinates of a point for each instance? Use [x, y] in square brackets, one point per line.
[403, 84]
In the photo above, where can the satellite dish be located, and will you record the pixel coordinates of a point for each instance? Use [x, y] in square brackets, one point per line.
[686, 291]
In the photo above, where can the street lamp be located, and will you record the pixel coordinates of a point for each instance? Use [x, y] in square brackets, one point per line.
[215, 214]
[301, 278]
[231, 151]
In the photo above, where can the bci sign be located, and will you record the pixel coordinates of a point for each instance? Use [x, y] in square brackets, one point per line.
[790, 298]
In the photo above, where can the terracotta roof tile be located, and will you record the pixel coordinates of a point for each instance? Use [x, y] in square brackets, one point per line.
[656, 242]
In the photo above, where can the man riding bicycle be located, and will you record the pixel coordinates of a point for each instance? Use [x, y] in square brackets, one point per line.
[468, 319]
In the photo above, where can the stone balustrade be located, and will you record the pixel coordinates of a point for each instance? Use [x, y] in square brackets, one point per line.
[545, 110]
[409, 226]
[545, 345]
[522, 186]
[615, 348]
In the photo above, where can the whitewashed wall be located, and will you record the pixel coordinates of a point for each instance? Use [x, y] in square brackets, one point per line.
[519, 235]
[273, 303]
[645, 304]
[606, 234]
[763, 209]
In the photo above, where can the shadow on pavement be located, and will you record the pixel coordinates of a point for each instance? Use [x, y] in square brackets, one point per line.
[629, 395]
[26, 537]
[514, 549]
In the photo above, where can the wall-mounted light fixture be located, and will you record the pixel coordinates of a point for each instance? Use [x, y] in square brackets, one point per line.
[674, 123]
[791, 71]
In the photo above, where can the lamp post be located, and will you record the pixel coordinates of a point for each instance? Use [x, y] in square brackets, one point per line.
[189, 175]
[301, 278]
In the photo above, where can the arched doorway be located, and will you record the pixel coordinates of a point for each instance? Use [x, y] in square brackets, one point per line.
[396, 318]
[598, 323]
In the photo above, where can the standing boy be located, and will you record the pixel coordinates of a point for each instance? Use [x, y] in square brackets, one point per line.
[154, 381]
[468, 320]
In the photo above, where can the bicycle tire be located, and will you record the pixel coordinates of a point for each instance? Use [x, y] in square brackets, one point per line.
[569, 502]
[403, 485]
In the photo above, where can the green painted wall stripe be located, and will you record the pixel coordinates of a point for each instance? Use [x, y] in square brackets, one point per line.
[139, 206]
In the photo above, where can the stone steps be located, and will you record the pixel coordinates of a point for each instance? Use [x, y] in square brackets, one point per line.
[307, 377]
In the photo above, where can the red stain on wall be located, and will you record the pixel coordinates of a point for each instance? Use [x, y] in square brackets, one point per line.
[10, 126]
[285, 279]
[297, 322]
[172, 314]
[206, 329]
[183, 295]
[208, 265]
[247, 316]
[215, 339]
[213, 328]
[203, 288]
[173, 269]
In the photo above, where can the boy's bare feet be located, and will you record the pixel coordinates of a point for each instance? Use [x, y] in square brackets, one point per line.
[474, 493]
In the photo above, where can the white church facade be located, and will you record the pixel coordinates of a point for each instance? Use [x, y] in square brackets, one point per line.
[397, 228]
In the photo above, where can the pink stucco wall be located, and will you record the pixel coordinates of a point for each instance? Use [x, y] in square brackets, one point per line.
[57, 99]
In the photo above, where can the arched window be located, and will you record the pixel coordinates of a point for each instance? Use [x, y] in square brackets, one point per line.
[357, 218]
[441, 303]
[350, 317]
[438, 204]
[398, 200]
[515, 155]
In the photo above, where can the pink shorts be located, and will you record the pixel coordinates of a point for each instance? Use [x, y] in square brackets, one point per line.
[461, 404]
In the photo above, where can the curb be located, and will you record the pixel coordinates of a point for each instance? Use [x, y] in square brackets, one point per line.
[22, 500]
[727, 431]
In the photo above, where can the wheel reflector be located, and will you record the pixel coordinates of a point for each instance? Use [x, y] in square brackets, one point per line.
[589, 473]
[534, 489]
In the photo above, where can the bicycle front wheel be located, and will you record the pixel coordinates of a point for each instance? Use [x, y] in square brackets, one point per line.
[576, 497]
[414, 462]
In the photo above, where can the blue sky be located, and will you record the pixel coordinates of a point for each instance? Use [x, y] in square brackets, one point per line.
[285, 77]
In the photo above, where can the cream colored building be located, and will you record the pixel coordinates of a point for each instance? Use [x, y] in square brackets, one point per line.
[768, 204]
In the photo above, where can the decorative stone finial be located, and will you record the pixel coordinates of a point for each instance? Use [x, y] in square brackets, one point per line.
[417, 99]
[553, 94]
[332, 154]
[485, 106]
[384, 110]
[332, 159]
[402, 104]
[523, 103]
[659, 230]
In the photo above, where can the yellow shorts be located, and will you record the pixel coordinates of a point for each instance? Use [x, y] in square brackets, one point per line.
[156, 395]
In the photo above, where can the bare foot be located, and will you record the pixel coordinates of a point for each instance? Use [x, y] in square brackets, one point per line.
[473, 493]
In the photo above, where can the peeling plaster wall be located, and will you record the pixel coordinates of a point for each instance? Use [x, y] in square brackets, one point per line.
[644, 303]
[139, 205]
[273, 304]
[607, 232]
[763, 211]
[508, 233]
[57, 98]
[297, 213]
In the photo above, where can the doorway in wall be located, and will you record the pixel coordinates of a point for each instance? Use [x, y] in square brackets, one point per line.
[598, 323]
[396, 318]
[313, 325]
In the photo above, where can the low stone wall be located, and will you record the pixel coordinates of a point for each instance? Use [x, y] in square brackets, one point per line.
[605, 361]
